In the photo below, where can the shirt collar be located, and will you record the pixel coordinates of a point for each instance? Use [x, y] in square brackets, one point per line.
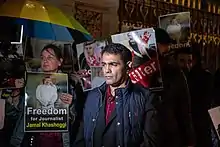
[109, 95]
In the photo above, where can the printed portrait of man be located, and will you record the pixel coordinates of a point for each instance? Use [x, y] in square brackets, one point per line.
[46, 93]
[133, 44]
[90, 56]
[174, 30]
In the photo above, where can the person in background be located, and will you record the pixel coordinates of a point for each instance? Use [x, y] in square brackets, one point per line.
[216, 99]
[184, 60]
[13, 110]
[51, 61]
[174, 108]
[118, 113]
[200, 83]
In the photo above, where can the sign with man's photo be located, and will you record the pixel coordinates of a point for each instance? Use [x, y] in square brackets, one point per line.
[177, 26]
[89, 56]
[146, 68]
[44, 110]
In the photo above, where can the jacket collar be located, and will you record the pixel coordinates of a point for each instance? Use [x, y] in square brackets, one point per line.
[124, 90]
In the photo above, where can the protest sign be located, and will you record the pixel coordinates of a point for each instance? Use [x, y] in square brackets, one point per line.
[89, 56]
[177, 26]
[44, 110]
[146, 68]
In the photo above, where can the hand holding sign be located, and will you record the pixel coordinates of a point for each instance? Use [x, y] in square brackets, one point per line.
[66, 98]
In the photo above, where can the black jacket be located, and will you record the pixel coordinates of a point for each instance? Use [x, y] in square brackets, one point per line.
[133, 122]
[175, 112]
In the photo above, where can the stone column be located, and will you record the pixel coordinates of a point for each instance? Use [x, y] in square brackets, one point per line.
[110, 19]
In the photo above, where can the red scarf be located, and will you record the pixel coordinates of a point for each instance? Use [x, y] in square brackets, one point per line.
[92, 61]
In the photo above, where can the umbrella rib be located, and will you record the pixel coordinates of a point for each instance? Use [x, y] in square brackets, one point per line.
[20, 15]
[50, 23]
[55, 38]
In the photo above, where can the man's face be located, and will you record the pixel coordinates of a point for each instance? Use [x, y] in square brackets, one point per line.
[48, 81]
[163, 48]
[90, 49]
[49, 62]
[130, 37]
[146, 34]
[114, 69]
[174, 22]
[184, 61]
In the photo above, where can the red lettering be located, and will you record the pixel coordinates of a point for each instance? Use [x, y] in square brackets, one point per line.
[133, 80]
[135, 76]
[138, 74]
[142, 73]
[148, 70]
[153, 66]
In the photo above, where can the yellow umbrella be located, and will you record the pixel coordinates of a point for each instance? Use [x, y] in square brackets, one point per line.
[35, 10]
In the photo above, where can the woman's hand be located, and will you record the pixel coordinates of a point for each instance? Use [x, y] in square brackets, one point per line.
[66, 98]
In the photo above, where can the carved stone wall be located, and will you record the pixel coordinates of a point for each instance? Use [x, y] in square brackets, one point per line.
[100, 18]
[91, 17]
[205, 24]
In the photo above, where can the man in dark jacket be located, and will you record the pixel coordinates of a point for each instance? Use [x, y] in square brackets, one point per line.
[118, 113]
[200, 85]
[175, 112]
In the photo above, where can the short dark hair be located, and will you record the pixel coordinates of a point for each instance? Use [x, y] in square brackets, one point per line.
[56, 49]
[184, 50]
[46, 77]
[118, 49]
[162, 36]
